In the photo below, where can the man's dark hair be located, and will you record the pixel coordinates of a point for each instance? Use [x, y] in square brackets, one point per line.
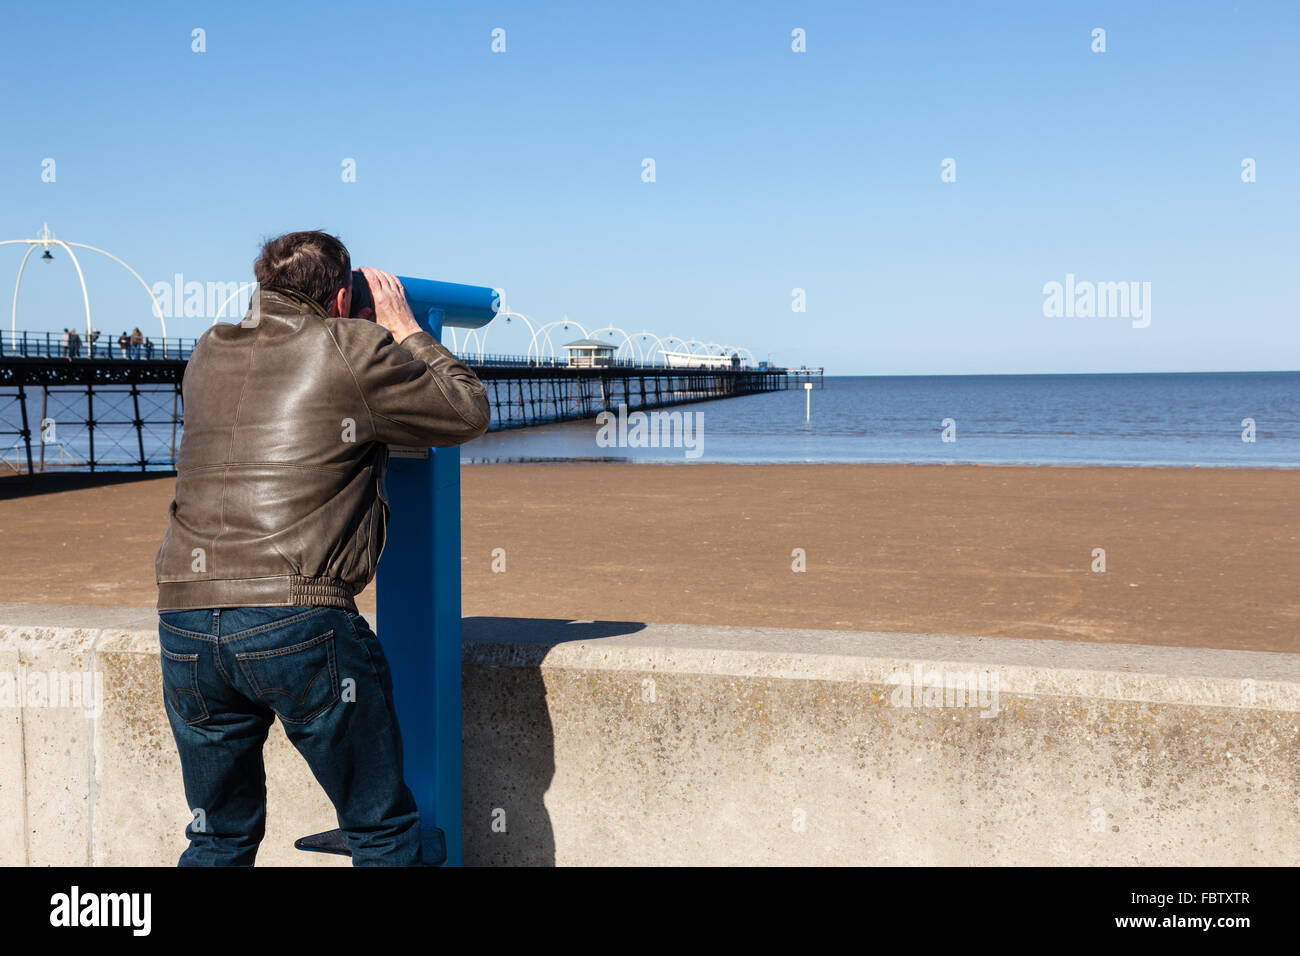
[314, 264]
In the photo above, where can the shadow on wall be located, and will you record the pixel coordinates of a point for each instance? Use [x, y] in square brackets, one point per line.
[509, 745]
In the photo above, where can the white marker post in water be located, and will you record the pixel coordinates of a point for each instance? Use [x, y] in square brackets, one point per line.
[807, 413]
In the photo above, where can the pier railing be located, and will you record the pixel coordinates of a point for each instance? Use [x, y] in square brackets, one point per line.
[54, 345]
[107, 348]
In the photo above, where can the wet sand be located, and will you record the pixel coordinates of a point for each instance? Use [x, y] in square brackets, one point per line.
[1194, 557]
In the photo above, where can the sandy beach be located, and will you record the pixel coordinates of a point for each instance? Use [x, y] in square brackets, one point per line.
[1194, 557]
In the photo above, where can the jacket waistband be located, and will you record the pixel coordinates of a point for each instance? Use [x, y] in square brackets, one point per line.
[286, 590]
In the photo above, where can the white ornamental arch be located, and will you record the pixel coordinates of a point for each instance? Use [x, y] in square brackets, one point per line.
[44, 241]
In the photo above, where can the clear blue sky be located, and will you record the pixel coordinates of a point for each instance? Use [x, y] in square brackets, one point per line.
[775, 170]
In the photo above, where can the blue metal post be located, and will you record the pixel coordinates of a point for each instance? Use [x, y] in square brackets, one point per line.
[418, 590]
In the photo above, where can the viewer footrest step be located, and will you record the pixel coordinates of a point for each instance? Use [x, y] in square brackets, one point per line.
[432, 844]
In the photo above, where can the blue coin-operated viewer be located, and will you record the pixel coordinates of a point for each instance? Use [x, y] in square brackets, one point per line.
[418, 597]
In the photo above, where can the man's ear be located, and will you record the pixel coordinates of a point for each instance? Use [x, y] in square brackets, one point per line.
[342, 304]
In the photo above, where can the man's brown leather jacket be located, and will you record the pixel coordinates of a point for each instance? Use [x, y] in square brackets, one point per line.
[280, 478]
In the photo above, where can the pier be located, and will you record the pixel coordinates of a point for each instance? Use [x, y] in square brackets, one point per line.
[804, 375]
[521, 397]
[109, 411]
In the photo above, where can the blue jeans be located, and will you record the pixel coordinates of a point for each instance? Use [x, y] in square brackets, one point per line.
[229, 672]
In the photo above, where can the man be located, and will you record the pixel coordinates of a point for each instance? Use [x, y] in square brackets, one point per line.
[278, 521]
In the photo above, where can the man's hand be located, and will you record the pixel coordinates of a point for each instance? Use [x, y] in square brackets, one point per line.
[392, 311]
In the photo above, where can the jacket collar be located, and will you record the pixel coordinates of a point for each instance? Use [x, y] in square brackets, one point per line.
[278, 301]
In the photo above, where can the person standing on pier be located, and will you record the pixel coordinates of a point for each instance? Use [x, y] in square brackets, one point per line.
[278, 521]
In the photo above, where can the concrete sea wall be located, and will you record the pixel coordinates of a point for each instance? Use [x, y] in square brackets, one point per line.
[622, 743]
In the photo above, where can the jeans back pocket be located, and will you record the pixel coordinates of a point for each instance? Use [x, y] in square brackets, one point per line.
[180, 673]
[298, 682]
